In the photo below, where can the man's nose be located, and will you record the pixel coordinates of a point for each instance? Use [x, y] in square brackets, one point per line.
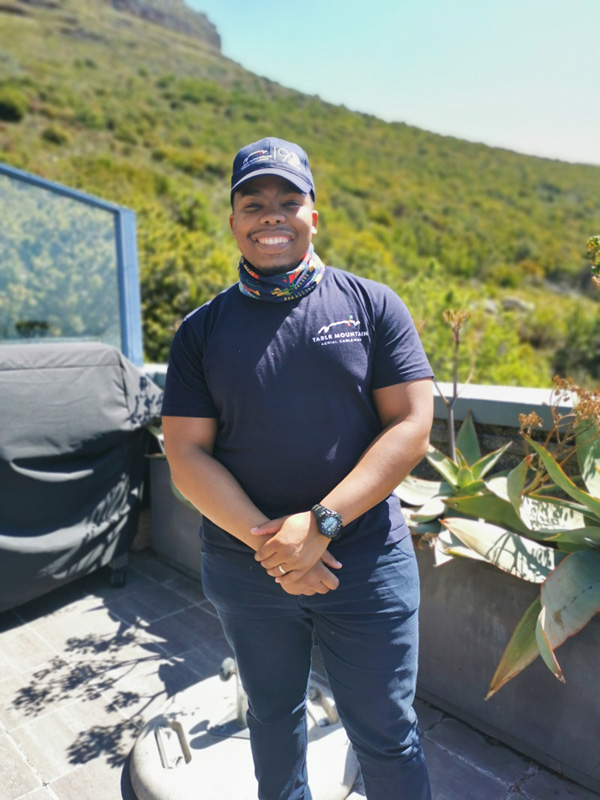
[272, 215]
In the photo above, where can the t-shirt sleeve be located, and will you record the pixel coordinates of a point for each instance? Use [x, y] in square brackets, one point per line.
[186, 392]
[399, 354]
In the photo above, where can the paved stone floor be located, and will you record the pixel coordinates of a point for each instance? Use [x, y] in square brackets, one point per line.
[83, 668]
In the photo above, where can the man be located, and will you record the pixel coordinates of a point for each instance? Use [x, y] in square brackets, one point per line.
[295, 402]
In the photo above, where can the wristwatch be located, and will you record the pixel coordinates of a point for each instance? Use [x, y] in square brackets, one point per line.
[329, 522]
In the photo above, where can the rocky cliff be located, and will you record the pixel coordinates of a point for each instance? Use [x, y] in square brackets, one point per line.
[171, 14]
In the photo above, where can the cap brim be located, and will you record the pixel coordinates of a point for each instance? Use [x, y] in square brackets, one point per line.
[304, 186]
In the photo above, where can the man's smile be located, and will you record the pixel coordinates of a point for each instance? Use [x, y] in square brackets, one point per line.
[273, 240]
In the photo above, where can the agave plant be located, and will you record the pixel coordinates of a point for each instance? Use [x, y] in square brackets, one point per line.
[426, 502]
[541, 538]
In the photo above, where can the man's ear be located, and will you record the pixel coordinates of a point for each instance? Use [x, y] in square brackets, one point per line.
[315, 219]
[231, 222]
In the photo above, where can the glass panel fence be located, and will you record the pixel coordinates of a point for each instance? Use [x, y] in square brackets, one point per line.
[58, 267]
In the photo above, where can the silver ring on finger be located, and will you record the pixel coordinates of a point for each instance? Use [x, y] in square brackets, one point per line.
[281, 569]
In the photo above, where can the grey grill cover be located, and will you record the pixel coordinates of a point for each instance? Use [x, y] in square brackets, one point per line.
[72, 445]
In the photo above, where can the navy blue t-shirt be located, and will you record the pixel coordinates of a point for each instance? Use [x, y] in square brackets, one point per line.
[290, 384]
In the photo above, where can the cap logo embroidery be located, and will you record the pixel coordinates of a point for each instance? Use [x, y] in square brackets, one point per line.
[278, 154]
[287, 156]
[255, 158]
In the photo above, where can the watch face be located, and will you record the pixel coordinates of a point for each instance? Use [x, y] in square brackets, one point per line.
[329, 524]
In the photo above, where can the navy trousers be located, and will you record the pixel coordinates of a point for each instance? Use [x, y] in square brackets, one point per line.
[367, 630]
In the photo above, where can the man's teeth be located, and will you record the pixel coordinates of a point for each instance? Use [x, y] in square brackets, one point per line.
[274, 240]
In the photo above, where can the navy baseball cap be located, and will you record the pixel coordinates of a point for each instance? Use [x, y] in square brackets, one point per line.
[273, 157]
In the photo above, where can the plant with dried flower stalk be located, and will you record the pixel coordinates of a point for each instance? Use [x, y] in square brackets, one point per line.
[534, 521]
[593, 250]
[544, 527]
[567, 428]
[455, 319]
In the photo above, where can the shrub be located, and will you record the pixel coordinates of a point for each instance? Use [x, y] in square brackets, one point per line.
[56, 135]
[13, 104]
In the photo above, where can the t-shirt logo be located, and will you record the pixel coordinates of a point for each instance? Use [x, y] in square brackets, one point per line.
[348, 322]
[340, 331]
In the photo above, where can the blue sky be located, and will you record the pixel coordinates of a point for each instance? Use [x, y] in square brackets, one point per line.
[521, 74]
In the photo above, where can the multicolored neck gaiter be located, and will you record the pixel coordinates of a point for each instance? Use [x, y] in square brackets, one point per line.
[290, 285]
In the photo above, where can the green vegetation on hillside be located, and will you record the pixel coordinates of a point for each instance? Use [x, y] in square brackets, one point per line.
[150, 117]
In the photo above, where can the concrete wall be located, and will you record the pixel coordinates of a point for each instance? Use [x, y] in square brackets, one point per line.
[468, 613]
[495, 410]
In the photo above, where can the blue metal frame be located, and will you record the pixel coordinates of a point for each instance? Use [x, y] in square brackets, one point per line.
[127, 258]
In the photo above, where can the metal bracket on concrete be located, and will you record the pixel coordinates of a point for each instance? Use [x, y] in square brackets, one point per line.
[199, 749]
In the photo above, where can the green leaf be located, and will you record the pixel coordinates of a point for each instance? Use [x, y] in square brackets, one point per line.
[588, 455]
[430, 510]
[466, 440]
[490, 508]
[535, 522]
[448, 545]
[471, 488]
[544, 515]
[577, 508]
[497, 484]
[515, 483]
[520, 651]
[461, 461]
[465, 477]
[485, 464]
[563, 482]
[545, 648]
[530, 561]
[569, 547]
[570, 598]
[582, 537]
[440, 555]
[416, 491]
[444, 465]
[419, 528]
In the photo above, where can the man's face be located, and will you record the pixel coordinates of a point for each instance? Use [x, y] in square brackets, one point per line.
[272, 223]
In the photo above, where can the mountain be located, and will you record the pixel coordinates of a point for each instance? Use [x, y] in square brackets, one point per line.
[133, 100]
[172, 14]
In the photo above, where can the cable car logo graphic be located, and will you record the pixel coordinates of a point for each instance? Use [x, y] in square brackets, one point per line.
[348, 322]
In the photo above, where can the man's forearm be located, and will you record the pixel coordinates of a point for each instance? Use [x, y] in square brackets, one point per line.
[216, 494]
[385, 463]
[390, 457]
